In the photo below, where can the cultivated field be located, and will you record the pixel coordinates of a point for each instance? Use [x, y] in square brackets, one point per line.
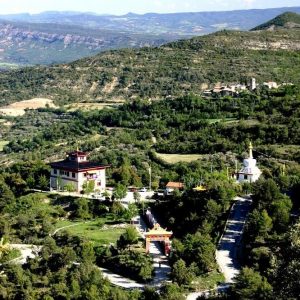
[18, 108]
[175, 158]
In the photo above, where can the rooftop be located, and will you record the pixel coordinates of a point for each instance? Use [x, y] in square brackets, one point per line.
[174, 185]
[70, 165]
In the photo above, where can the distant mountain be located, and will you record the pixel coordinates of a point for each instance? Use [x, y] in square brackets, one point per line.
[285, 20]
[185, 66]
[185, 24]
[42, 43]
[59, 37]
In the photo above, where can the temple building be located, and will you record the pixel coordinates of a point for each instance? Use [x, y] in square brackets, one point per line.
[76, 172]
[250, 172]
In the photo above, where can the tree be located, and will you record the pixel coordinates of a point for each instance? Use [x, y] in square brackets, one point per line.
[265, 192]
[181, 274]
[280, 213]
[69, 187]
[87, 252]
[136, 196]
[131, 212]
[82, 209]
[171, 291]
[129, 237]
[59, 183]
[88, 186]
[120, 191]
[43, 182]
[7, 198]
[199, 248]
[251, 285]
[259, 224]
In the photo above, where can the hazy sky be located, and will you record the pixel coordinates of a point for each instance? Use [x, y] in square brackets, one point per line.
[138, 6]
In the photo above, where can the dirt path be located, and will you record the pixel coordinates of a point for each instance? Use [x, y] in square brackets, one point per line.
[67, 226]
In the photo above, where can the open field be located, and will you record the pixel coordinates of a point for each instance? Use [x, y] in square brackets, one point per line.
[92, 105]
[93, 232]
[2, 144]
[175, 158]
[18, 108]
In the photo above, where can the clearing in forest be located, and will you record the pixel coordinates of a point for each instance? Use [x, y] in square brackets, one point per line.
[18, 108]
[175, 158]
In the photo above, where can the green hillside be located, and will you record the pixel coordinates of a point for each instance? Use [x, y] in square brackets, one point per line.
[285, 20]
[173, 69]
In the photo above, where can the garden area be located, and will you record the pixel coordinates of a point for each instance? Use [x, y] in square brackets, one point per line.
[99, 231]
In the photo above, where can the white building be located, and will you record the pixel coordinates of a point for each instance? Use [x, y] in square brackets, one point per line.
[77, 171]
[271, 84]
[250, 172]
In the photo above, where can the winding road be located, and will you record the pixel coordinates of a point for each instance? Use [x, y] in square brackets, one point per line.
[229, 246]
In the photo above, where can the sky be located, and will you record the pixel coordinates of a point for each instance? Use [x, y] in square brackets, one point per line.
[119, 7]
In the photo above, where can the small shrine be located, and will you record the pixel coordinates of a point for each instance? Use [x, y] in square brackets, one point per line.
[158, 234]
[250, 172]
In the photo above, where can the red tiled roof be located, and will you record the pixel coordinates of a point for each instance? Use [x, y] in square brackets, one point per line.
[174, 185]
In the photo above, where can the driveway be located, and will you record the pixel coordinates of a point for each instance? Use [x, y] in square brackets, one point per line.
[226, 254]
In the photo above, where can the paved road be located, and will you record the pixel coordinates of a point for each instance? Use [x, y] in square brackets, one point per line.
[161, 265]
[121, 281]
[220, 289]
[226, 254]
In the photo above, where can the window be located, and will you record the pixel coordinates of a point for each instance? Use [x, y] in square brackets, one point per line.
[245, 177]
[73, 175]
[65, 173]
[54, 171]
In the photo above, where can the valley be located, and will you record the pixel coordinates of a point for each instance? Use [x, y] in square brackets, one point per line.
[196, 140]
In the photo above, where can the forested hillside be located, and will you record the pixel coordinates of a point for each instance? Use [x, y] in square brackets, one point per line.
[285, 20]
[174, 69]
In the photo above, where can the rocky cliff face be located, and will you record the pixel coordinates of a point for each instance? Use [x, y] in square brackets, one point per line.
[51, 43]
[10, 34]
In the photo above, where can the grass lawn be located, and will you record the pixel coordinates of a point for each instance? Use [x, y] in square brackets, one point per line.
[2, 144]
[175, 158]
[208, 281]
[92, 231]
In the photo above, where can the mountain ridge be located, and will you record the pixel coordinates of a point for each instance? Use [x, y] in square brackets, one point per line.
[285, 20]
[185, 66]
[44, 43]
[181, 23]
[68, 36]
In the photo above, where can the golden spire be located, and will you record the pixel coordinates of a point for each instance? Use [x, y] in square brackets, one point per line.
[250, 150]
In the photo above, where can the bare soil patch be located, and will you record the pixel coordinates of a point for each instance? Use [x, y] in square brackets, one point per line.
[18, 108]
